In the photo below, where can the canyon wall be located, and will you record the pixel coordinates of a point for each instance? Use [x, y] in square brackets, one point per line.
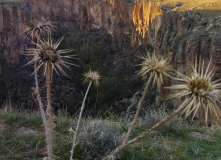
[116, 17]
[171, 33]
[13, 17]
[180, 36]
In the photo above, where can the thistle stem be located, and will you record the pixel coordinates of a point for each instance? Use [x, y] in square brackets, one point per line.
[144, 134]
[41, 106]
[49, 113]
[138, 110]
[157, 100]
[78, 122]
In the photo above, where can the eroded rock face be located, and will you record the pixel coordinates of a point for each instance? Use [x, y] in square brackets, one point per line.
[13, 17]
[172, 33]
[115, 16]
[143, 15]
[180, 36]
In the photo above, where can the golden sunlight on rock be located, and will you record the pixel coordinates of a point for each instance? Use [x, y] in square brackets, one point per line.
[143, 15]
[110, 2]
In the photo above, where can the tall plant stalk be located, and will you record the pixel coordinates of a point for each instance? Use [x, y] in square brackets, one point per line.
[154, 67]
[91, 77]
[78, 122]
[49, 112]
[47, 54]
[41, 106]
[138, 110]
[36, 29]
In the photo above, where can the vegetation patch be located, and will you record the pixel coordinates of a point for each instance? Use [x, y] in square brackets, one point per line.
[163, 144]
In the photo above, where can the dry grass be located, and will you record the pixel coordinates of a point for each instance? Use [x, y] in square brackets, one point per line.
[207, 8]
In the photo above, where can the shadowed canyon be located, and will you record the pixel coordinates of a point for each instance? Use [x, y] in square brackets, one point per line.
[114, 32]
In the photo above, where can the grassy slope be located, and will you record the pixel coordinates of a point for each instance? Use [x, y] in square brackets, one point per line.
[23, 138]
[207, 8]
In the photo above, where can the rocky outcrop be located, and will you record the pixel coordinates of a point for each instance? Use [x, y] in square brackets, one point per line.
[173, 33]
[180, 36]
[143, 15]
[177, 34]
[13, 17]
[116, 17]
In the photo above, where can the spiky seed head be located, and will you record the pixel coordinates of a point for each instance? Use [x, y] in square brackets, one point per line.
[39, 26]
[155, 66]
[200, 92]
[47, 54]
[92, 76]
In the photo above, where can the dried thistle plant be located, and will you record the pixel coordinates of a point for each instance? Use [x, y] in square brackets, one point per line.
[200, 91]
[91, 77]
[153, 67]
[47, 55]
[38, 27]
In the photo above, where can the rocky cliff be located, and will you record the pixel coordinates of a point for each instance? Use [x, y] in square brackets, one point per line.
[13, 17]
[116, 17]
[178, 35]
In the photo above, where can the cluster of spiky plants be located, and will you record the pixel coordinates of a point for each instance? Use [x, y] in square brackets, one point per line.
[46, 55]
[91, 77]
[201, 93]
[198, 92]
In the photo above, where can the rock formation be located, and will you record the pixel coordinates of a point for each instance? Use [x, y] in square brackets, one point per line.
[13, 17]
[178, 35]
